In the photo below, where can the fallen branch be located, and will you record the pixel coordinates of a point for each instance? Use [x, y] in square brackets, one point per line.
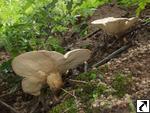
[8, 106]
[91, 34]
[112, 55]
[120, 49]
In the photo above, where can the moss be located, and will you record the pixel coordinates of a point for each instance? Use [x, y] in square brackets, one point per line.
[121, 84]
[104, 68]
[87, 76]
[91, 75]
[100, 89]
[90, 91]
[68, 106]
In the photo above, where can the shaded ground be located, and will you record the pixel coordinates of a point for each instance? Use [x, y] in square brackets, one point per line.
[134, 62]
[96, 91]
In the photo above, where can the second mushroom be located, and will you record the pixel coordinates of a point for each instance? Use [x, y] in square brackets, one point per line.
[115, 26]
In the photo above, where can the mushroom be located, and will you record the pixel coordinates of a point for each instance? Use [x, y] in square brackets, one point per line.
[46, 67]
[115, 26]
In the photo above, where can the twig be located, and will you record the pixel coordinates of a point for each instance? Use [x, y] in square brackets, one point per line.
[8, 106]
[66, 111]
[112, 55]
[91, 34]
[78, 81]
[3, 95]
[68, 92]
[34, 107]
[64, 97]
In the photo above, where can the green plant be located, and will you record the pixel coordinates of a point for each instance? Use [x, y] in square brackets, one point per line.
[88, 76]
[141, 6]
[27, 32]
[68, 105]
[100, 89]
[121, 84]
[28, 23]
[132, 107]
[7, 75]
[139, 3]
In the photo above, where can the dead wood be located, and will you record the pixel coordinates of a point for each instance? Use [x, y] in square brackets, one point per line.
[112, 55]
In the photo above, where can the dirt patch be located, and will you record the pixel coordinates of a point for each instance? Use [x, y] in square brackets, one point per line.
[136, 63]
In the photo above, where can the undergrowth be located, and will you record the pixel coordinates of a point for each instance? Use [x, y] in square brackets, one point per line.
[68, 106]
[7, 75]
[95, 87]
[122, 84]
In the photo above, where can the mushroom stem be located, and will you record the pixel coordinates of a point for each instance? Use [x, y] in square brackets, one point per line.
[55, 82]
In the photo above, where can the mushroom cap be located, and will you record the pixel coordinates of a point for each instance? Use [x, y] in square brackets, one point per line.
[108, 20]
[76, 57]
[115, 26]
[30, 63]
[39, 67]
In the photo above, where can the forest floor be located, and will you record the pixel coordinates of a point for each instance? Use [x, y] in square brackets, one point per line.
[113, 87]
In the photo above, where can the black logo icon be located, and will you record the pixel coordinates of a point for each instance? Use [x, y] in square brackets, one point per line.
[144, 104]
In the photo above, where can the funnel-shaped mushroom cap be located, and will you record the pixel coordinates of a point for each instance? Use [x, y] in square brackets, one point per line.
[39, 67]
[115, 26]
[30, 63]
[76, 57]
[34, 62]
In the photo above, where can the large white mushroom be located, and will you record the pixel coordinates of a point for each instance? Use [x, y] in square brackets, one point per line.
[116, 26]
[46, 67]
